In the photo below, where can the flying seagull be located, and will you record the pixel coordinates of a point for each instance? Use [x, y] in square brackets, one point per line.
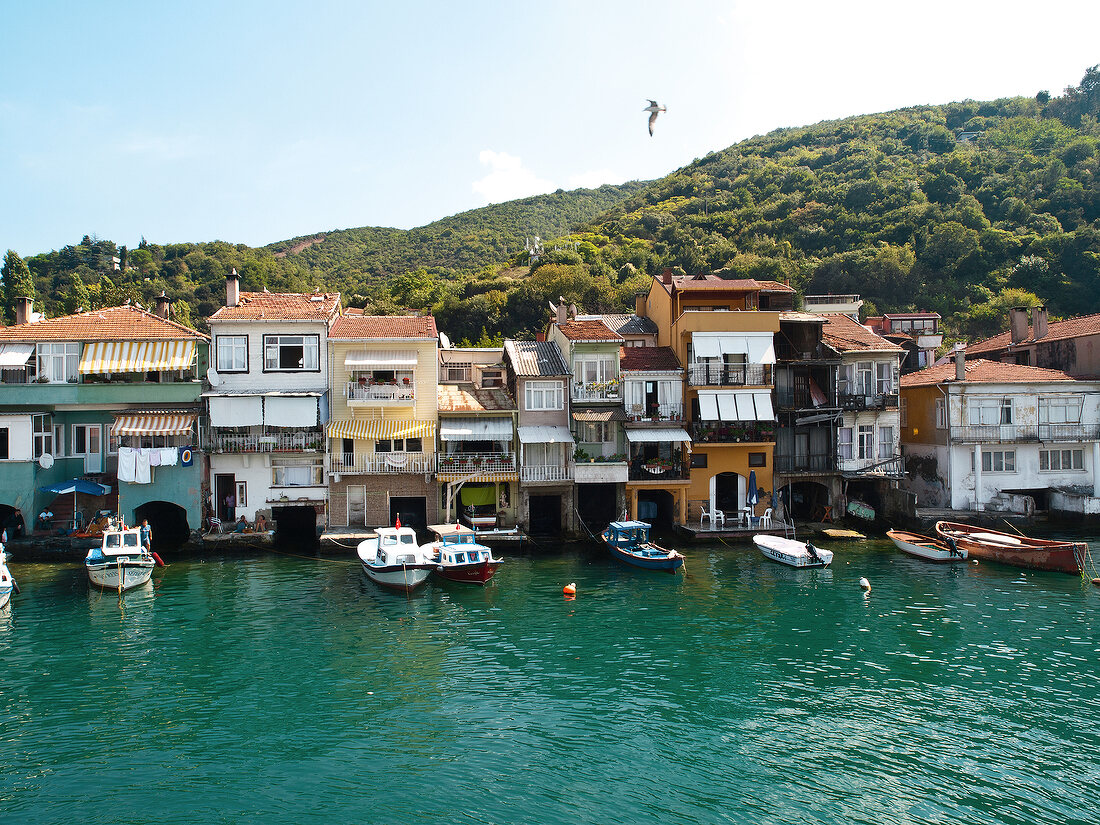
[653, 109]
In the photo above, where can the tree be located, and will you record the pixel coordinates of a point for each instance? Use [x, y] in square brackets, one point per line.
[17, 279]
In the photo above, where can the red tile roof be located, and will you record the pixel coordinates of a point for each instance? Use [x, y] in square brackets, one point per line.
[648, 359]
[983, 372]
[281, 306]
[845, 335]
[713, 283]
[384, 326]
[124, 323]
[588, 331]
[1056, 331]
[775, 286]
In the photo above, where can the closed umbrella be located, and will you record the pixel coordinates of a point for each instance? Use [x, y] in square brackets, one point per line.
[751, 497]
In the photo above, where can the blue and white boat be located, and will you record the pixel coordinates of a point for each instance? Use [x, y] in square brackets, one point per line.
[629, 542]
[120, 562]
[7, 583]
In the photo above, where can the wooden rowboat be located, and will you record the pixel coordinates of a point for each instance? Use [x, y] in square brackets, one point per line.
[1017, 550]
[926, 548]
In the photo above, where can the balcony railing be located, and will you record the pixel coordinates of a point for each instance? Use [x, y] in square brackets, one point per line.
[861, 401]
[1024, 433]
[874, 466]
[729, 433]
[805, 463]
[662, 412]
[704, 374]
[546, 472]
[481, 463]
[676, 471]
[799, 399]
[598, 391]
[381, 463]
[298, 441]
[379, 393]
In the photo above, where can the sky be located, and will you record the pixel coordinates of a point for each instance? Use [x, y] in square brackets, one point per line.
[255, 122]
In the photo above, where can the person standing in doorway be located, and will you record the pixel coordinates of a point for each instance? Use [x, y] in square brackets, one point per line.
[230, 509]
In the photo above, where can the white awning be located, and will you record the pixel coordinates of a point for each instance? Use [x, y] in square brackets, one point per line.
[705, 345]
[380, 359]
[735, 405]
[650, 434]
[545, 435]
[761, 348]
[15, 355]
[290, 411]
[236, 410]
[475, 429]
[757, 347]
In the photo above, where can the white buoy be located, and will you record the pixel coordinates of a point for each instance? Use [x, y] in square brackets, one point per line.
[866, 585]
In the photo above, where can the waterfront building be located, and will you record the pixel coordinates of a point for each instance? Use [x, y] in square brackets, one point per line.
[538, 378]
[1072, 345]
[918, 333]
[985, 435]
[381, 434]
[720, 330]
[110, 396]
[868, 438]
[268, 403]
[849, 305]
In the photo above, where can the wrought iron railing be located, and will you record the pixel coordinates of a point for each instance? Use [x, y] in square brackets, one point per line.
[875, 466]
[861, 401]
[470, 463]
[805, 463]
[598, 391]
[657, 471]
[1024, 433]
[294, 441]
[705, 374]
[727, 433]
[799, 399]
[660, 412]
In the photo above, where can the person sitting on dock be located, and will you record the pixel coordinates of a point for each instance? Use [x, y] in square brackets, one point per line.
[45, 518]
[261, 523]
[242, 525]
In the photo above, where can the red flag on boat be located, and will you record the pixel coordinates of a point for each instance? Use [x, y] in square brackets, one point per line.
[398, 520]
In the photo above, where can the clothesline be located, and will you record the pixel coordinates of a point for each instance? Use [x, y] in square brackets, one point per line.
[135, 464]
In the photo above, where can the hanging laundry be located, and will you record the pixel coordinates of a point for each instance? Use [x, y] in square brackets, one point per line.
[127, 464]
[154, 458]
[169, 456]
[143, 473]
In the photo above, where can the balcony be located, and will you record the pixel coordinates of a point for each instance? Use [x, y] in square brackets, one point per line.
[791, 464]
[658, 471]
[297, 441]
[464, 464]
[705, 374]
[600, 472]
[855, 402]
[597, 391]
[733, 432]
[534, 473]
[374, 394]
[660, 412]
[381, 463]
[114, 393]
[1024, 433]
[803, 399]
[891, 467]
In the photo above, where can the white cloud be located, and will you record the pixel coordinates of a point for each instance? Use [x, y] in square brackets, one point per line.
[507, 178]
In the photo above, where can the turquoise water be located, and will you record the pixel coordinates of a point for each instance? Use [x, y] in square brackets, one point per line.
[277, 689]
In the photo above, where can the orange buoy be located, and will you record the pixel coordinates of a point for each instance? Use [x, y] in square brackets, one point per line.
[570, 589]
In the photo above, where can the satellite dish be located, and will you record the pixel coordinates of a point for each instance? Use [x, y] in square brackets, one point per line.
[45, 461]
[444, 341]
[213, 377]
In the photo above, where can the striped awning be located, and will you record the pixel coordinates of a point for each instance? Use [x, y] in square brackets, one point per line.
[153, 424]
[485, 478]
[374, 430]
[136, 356]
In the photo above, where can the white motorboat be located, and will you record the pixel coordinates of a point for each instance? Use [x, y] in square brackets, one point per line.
[392, 558]
[120, 562]
[458, 556]
[7, 583]
[793, 553]
[927, 548]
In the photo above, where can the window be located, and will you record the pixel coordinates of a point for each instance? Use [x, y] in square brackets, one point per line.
[457, 372]
[399, 445]
[292, 353]
[545, 395]
[863, 378]
[232, 353]
[903, 412]
[492, 378]
[989, 411]
[242, 493]
[593, 368]
[594, 432]
[58, 362]
[884, 378]
[886, 442]
[758, 459]
[941, 414]
[1054, 460]
[999, 461]
[866, 441]
[1060, 409]
[59, 439]
[4, 453]
[699, 460]
[291, 472]
[42, 428]
[844, 442]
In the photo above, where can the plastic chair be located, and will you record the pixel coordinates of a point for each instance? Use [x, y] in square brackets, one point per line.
[716, 516]
[766, 519]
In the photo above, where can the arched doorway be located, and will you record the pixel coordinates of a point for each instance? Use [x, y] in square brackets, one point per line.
[169, 523]
[806, 500]
[728, 491]
[656, 507]
[11, 519]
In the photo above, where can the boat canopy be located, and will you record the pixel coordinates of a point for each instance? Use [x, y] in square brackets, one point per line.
[628, 525]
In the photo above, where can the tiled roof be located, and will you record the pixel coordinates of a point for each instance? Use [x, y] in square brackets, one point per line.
[535, 358]
[281, 306]
[124, 323]
[648, 359]
[588, 331]
[384, 326]
[983, 372]
[599, 414]
[467, 398]
[624, 324]
[1056, 331]
[713, 282]
[774, 286]
[845, 335]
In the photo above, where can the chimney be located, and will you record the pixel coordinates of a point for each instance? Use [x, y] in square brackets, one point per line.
[1038, 322]
[232, 289]
[666, 276]
[960, 362]
[1017, 324]
[164, 305]
[540, 336]
[561, 312]
[639, 304]
[24, 306]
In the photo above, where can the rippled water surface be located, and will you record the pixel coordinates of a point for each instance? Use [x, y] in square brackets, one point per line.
[279, 689]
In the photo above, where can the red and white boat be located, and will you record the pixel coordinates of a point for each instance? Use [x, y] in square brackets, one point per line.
[392, 558]
[924, 547]
[1017, 550]
[457, 555]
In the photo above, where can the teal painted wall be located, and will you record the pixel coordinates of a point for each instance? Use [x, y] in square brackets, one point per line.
[178, 485]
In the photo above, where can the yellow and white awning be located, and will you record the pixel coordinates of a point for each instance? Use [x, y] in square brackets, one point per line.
[375, 430]
[489, 477]
[136, 356]
[153, 424]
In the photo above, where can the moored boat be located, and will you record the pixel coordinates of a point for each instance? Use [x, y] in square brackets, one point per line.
[924, 547]
[392, 558]
[458, 557]
[1016, 550]
[120, 562]
[7, 583]
[792, 552]
[629, 542]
